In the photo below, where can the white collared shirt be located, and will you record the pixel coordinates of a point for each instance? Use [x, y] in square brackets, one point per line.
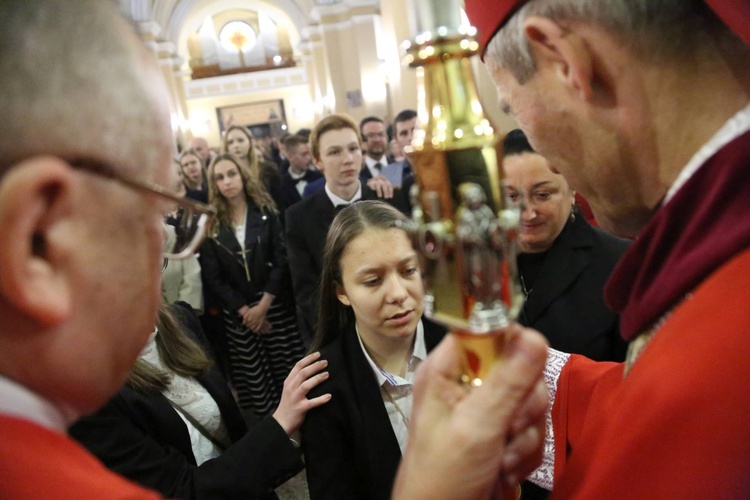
[18, 401]
[733, 128]
[400, 389]
[370, 164]
[300, 184]
[337, 200]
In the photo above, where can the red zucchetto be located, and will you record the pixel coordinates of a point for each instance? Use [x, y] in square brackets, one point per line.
[488, 16]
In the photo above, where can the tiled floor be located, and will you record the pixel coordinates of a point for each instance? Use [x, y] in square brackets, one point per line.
[294, 489]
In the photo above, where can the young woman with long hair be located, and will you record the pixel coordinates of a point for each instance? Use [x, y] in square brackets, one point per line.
[244, 266]
[174, 426]
[193, 175]
[371, 331]
[238, 141]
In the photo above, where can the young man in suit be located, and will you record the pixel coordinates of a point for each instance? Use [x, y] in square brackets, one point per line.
[299, 174]
[399, 173]
[403, 125]
[81, 221]
[374, 164]
[336, 150]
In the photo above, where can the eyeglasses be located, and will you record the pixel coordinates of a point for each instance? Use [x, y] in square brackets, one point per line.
[375, 135]
[189, 223]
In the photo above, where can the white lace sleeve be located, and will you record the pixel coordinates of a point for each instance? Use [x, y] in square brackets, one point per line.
[544, 476]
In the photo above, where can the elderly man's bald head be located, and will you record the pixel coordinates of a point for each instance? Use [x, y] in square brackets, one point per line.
[200, 146]
[84, 136]
[75, 84]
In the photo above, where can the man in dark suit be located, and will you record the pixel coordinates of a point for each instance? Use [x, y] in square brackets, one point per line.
[403, 125]
[375, 141]
[300, 173]
[399, 173]
[307, 222]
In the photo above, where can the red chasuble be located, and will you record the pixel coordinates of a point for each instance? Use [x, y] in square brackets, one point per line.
[36, 462]
[676, 424]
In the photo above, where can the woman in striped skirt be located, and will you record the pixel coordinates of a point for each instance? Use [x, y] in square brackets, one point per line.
[244, 265]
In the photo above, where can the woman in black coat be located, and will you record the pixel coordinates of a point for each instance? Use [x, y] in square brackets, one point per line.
[564, 262]
[161, 432]
[244, 266]
[372, 334]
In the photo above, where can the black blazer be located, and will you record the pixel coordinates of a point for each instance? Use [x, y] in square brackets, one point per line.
[350, 449]
[271, 179]
[364, 172]
[400, 198]
[141, 436]
[223, 269]
[307, 224]
[289, 193]
[200, 195]
[566, 303]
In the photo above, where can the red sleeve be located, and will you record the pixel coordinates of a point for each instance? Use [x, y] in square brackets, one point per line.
[676, 425]
[580, 380]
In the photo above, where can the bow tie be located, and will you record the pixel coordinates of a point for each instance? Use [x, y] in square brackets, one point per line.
[378, 166]
[298, 180]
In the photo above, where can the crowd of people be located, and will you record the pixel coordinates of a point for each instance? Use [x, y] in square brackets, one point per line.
[219, 320]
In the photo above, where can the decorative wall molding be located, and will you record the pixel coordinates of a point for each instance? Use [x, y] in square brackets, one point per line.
[245, 82]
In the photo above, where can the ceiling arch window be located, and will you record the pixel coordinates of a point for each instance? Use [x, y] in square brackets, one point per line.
[237, 35]
[238, 41]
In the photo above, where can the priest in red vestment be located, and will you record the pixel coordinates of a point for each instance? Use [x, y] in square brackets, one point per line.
[85, 142]
[644, 107]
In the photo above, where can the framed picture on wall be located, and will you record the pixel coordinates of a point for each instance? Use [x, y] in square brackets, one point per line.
[263, 118]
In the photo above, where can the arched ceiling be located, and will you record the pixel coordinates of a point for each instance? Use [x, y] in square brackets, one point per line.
[178, 18]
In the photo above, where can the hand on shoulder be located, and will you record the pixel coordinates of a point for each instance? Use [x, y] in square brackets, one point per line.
[382, 186]
[294, 405]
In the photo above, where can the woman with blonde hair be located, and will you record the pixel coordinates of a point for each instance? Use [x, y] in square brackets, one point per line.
[244, 266]
[238, 141]
[193, 175]
[174, 427]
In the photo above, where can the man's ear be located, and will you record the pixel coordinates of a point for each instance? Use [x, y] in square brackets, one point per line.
[35, 202]
[564, 52]
[341, 295]
[318, 164]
